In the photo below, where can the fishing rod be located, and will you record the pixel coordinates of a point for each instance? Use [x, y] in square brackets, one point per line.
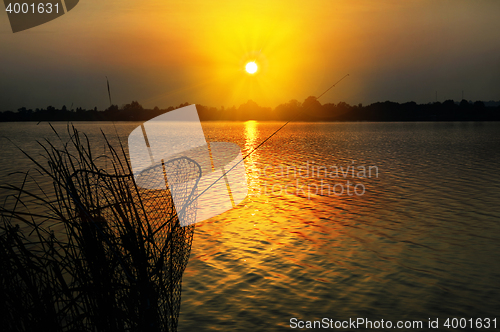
[283, 126]
[255, 149]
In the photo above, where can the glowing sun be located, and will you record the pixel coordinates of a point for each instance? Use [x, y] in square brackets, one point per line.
[251, 67]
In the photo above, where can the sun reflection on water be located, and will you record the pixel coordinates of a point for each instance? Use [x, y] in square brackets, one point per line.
[251, 134]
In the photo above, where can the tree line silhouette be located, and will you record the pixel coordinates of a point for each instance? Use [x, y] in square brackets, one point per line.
[309, 110]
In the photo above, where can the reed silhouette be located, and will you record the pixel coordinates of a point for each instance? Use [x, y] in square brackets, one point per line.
[118, 264]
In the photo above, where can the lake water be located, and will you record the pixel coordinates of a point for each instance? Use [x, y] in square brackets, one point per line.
[416, 235]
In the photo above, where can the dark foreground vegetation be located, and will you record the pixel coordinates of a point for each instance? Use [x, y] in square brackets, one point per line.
[309, 110]
[102, 255]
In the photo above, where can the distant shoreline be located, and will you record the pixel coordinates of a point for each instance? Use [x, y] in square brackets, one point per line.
[309, 111]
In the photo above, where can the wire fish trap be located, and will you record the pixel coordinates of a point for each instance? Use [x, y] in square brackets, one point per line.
[137, 230]
[118, 262]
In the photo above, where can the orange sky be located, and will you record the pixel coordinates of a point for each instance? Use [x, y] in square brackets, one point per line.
[163, 53]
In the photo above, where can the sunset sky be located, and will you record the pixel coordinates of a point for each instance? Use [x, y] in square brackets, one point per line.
[166, 52]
